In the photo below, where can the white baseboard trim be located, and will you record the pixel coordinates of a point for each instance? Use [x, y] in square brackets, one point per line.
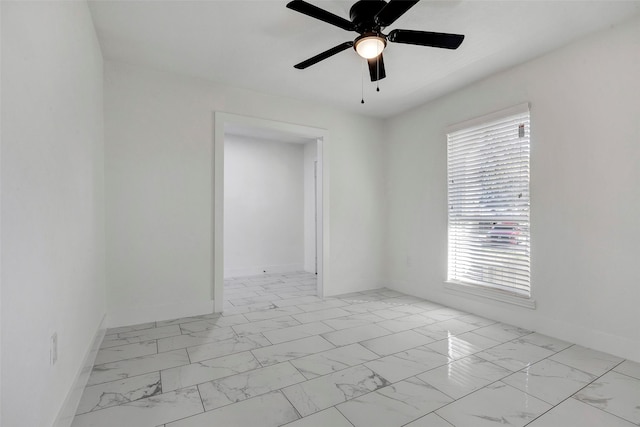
[265, 269]
[150, 313]
[534, 320]
[351, 287]
[591, 338]
[71, 402]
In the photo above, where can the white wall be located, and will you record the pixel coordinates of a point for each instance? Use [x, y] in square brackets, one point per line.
[158, 129]
[263, 206]
[52, 204]
[585, 197]
[310, 157]
[0, 216]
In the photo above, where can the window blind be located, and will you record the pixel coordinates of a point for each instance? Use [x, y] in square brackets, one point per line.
[488, 201]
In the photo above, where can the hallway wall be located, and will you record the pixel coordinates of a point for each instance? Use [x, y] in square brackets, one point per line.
[263, 206]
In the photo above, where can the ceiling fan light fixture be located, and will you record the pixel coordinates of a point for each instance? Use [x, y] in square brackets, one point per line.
[370, 45]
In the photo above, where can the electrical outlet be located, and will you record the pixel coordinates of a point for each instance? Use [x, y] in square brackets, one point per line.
[53, 350]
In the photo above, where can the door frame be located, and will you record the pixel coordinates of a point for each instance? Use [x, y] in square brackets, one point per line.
[220, 119]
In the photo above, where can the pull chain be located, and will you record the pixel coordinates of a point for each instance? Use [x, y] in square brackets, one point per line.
[362, 83]
[378, 73]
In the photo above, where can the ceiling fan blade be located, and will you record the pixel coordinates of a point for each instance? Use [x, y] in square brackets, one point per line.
[393, 10]
[324, 55]
[321, 14]
[426, 38]
[376, 68]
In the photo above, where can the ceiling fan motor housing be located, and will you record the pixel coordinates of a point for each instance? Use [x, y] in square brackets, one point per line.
[363, 14]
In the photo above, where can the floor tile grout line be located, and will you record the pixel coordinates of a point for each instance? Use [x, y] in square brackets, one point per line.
[595, 380]
[341, 413]
[147, 355]
[124, 332]
[579, 390]
[622, 373]
[434, 413]
[125, 378]
[122, 345]
[180, 419]
[149, 339]
[569, 366]
[134, 376]
[201, 399]
[292, 405]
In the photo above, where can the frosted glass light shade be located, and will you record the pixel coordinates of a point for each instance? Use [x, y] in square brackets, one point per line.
[370, 46]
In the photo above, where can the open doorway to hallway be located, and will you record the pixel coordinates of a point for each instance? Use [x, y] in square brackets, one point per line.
[269, 211]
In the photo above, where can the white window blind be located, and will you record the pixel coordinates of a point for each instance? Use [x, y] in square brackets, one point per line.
[488, 195]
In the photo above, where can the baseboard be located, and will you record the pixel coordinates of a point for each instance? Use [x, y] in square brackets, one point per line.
[336, 289]
[597, 340]
[71, 402]
[268, 269]
[150, 313]
[533, 320]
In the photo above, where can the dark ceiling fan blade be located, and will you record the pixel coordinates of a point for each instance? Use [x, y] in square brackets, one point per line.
[393, 10]
[426, 38]
[376, 68]
[321, 14]
[324, 55]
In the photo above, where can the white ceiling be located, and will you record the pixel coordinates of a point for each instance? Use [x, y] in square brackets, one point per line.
[254, 44]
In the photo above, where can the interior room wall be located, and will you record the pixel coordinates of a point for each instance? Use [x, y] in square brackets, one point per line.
[158, 149]
[0, 217]
[52, 205]
[263, 206]
[310, 157]
[585, 198]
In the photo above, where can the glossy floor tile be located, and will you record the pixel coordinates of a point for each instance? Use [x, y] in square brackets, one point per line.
[549, 381]
[497, 404]
[395, 405]
[329, 390]
[615, 393]
[249, 384]
[337, 359]
[279, 355]
[461, 377]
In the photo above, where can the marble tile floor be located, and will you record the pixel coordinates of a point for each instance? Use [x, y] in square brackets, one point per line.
[279, 355]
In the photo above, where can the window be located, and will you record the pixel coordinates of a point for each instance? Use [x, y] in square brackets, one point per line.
[488, 203]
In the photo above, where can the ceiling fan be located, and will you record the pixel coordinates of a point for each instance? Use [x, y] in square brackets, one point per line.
[369, 18]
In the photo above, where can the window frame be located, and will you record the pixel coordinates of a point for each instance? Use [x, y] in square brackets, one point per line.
[478, 290]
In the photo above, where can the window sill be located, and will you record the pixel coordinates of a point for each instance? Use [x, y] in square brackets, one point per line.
[494, 294]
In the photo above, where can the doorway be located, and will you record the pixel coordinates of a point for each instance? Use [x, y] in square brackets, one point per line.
[225, 123]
